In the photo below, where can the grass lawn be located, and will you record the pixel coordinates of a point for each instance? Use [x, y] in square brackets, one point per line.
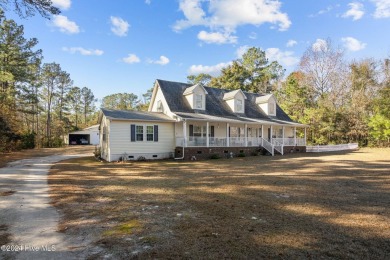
[334, 205]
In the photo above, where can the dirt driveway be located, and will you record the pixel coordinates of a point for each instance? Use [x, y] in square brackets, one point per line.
[28, 223]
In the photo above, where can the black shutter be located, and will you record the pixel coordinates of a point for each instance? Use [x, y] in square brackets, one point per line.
[132, 133]
[156, 133]
[212, 131]
[191, 130]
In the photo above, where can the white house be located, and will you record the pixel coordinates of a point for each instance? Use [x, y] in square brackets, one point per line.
[89, 135]
[187, 120]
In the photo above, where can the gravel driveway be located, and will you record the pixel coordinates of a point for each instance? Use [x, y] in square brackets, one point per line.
[28, 222]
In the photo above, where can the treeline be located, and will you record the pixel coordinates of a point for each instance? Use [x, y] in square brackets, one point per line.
[38, 102]
[341, 101]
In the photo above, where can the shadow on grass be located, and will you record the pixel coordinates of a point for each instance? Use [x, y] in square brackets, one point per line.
[332, 205]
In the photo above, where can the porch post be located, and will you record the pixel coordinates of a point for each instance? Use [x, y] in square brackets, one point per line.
[282, 135]
[262, 134]
[270, 137]
[227, 135]
[184, 133]
[246, 135]
[207, 135]
[305, 136]
[295, 136]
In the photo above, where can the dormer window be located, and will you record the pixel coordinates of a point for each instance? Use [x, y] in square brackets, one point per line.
[239, 105]
[198, 101]
[267, 103]
[196, 96]
[271, 108]
[236, 100]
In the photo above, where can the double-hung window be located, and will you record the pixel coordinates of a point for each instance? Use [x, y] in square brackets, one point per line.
[271, 108]
[139, 133]
[149, 133]
[238, 105]
[198, 101]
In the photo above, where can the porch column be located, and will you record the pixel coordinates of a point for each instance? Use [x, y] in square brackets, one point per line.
[270, 137]
[262, 134]
[227, 135]
[184, 133]
[295, 136]
[246, 135]
[282, 135]
[305, 136]
[207, 135]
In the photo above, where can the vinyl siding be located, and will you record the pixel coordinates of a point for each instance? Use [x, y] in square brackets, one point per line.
[120, 142]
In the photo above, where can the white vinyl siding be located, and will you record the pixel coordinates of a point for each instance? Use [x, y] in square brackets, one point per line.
[120, 139]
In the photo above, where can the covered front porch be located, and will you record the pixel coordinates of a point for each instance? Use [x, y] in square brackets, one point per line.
[269, 135]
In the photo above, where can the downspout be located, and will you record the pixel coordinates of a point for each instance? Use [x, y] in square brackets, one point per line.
[184, 139]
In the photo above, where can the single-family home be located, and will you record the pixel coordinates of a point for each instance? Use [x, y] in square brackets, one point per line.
[187, 121]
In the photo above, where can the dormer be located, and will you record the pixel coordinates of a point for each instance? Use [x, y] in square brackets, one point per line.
[267, 103]
[236, 100]
[196, 96]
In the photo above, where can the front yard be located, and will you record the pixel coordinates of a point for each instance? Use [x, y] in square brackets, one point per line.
[334, 205]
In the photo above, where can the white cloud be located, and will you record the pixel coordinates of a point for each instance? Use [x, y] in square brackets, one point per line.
[162, 61]
[214, 70]
[382, 8]
[62, 4]
[286, 58]
[253, 36]
[65, 25]
[241, 50]
[320, 45]
[224, 16]
[356, 11]
[119, 26]
[82, 51]
[216, 37]
[291, 43]
[148, 2]
[324, 11]
[353, 44]
[131, 58]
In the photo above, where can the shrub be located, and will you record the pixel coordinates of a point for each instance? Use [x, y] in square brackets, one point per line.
[215, 156]
[241, 155]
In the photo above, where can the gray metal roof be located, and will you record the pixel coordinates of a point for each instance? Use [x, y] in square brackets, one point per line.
[215, 105]
[135, 115]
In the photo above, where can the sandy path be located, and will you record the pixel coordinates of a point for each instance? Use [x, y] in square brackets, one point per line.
[28, 215]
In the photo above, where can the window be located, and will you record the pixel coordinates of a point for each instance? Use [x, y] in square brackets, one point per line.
[149, 133]
[160, 106]
[271, 108]
[238, 105]
[104, 133]
[139, 133]
[198, 101]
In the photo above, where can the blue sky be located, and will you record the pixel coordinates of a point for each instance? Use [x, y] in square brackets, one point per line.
[124, 45]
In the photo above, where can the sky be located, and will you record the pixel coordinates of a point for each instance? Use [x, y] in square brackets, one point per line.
[125, 45]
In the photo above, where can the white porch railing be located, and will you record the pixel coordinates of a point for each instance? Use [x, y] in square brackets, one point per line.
[289, 141]
[268, 146]
[278, 146]
[278, 143]
[237, 141]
